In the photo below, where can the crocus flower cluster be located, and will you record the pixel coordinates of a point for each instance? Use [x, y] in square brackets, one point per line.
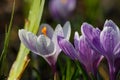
[105, 42]
[61, 9]
[81, 51]
[45, 44]
[89, 48]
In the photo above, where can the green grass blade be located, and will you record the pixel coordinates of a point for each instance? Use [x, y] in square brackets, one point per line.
[7, 38]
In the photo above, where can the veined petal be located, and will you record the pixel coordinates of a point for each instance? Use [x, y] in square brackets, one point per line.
[58, 31]
[108, 39]
[49, 30]
[45, 46]
[88, 57]
[117, 50]
[28, 39]
[60, 9]
[110, 23]
[32, 41]
[92, 36]
[22, 35]
[84, 51]
[89, 31]
[67, 47]
[67, 30]
[76, 40]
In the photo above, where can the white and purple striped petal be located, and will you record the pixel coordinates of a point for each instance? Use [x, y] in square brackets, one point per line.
[92, 36]
[107, 43]
[67, 30]
[60, 9]
[67, 47]
[88, 57]
[45, 46]
[109, 40]
[58, 31]
[28, 39]
[76, 40]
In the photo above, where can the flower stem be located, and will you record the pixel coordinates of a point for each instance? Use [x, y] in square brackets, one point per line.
[55, 76]
[82, 71]
[111, 70]
[54, 72]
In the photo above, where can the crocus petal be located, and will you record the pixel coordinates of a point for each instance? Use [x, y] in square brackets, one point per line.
[58, 31]
[88, 57]
[92, 36]
[117, 58]
[49, 30]
[97, 58]
[108, 38]
[76, 40]
[60, 9]
[67, 47]
[116, 50]
[84, 50]
[45, 46]
[67, 30]
[28, 39]
[32, 42]
[54, 10]
[71, 5]
[22, 35]
[110, 23]
[51, 60]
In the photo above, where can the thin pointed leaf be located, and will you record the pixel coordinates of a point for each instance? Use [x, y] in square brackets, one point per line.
[7, 38]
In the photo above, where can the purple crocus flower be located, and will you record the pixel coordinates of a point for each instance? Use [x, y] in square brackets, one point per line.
[45, 44]
[106, 42]
[81, 51]
[61, 9]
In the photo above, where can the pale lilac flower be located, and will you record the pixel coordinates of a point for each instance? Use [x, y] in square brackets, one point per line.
[45, 44]
[81, 51]
[106, 42]
[61, 9]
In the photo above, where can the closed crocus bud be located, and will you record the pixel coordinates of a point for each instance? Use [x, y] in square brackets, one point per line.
[61, 9]
[82, 52]
[88, 57]
[45, 44]
[105, 42]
